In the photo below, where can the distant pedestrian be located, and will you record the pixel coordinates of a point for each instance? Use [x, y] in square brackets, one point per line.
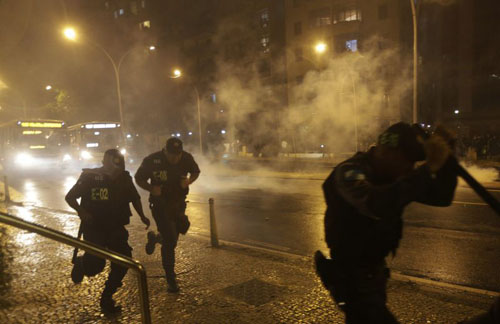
[366, 196]
[165, 175]
[104, 211]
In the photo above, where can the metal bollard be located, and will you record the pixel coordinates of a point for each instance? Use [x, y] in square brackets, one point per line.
[214, 238]
[6, 186]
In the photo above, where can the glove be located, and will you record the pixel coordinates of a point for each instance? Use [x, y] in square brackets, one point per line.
[438, 148]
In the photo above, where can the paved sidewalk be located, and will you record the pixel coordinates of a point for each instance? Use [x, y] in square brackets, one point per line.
[231, 284]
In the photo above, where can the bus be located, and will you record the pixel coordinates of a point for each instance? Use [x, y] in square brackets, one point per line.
[31, 142]
[88, 141]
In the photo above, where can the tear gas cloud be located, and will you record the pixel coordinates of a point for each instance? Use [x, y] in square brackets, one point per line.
[340, 95]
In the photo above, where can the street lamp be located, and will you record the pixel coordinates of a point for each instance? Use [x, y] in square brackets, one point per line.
[320, 48]
[48, 87]
[71, 34]
[177, 73]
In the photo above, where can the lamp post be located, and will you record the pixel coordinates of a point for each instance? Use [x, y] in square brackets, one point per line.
[71, 34]
[415, 6]
[177, 73]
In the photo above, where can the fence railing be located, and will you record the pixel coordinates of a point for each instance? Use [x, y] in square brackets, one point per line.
[91, 248]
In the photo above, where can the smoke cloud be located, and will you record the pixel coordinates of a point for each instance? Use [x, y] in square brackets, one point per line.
[342, 96]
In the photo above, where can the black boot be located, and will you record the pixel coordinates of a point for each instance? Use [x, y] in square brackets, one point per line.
[108, 305]
[172, 286]
[77, 272]
[152, 240]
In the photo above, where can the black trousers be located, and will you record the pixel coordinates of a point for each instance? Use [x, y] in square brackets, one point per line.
[165, 213]
[365, 297]
[115, 239]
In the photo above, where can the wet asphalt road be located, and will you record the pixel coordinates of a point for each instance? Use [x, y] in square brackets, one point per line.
[458, 244]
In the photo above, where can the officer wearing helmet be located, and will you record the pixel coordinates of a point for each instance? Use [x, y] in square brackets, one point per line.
[104, 211]
[167, 175]
[366, 196]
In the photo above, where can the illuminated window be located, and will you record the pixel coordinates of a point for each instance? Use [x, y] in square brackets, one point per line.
[145, 24]
[143, 3]
[264, 18]
[297, 28]
[320, 17]
[347, 15]
[352, 45]
[115, 13]
[121, 11]
[264, 42]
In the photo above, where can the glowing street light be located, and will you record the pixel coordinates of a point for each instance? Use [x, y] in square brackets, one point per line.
[152, 48]
[70, 33]
[456, 111]
[48, 87]
[320, 48]
[177, 73]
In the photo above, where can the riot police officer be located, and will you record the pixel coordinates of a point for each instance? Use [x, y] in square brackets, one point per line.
[104, 211]
[365, 198]
[165, 175]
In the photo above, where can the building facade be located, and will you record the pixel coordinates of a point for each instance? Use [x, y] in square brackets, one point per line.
[360, 52]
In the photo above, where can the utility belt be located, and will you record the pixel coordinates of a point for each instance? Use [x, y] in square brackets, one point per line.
[170, 208]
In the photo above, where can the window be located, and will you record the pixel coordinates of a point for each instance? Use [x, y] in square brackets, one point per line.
[297, 28]
[352, 45]
[133, 7]
[121, 11]
[347, 15]
[106, 4]
[143, 4]
[145, 24]
[115, 14]
[320, 17]
[382, 12]
[299, 54]
[264, 18]
[264, 42]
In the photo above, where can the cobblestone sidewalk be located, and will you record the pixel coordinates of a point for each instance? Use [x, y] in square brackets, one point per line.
[231, 284]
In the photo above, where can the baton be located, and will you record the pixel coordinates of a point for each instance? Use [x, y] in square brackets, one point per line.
[464, 174]
[75, 251]
[477, 187]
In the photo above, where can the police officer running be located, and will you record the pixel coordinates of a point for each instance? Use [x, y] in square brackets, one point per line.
[366, 196]
[104, 211]
[167, 172]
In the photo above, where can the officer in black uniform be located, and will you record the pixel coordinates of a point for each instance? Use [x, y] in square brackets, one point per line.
[366, 196]
[104, 211]
[167, 172]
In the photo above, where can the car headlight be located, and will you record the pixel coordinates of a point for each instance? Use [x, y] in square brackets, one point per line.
[66, 157]
[25, 159]
[85, 155]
